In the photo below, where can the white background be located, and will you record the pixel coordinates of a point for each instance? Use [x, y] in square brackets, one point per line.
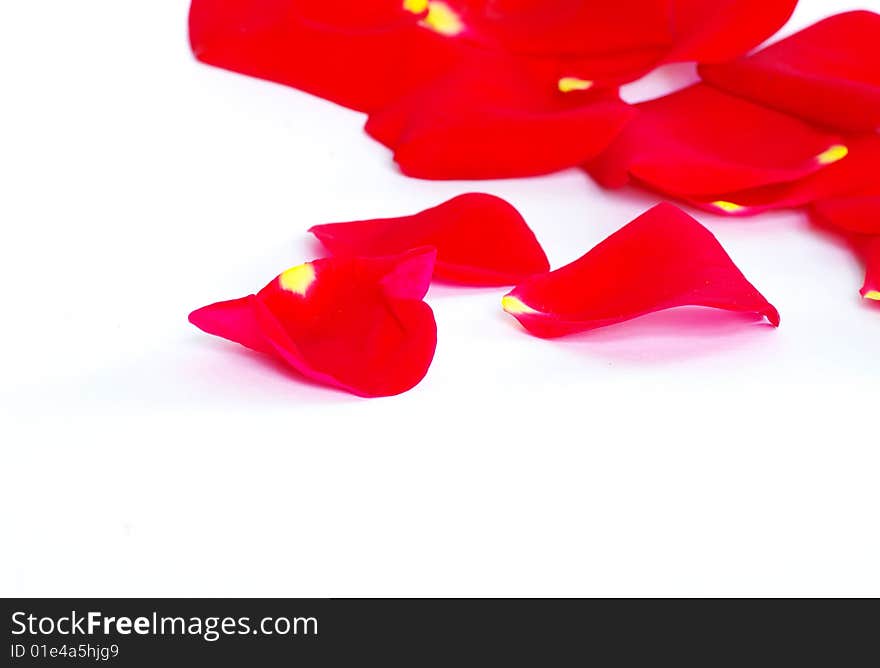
[688, 453]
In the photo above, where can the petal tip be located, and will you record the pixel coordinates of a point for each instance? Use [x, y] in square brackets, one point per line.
[321, 233]
[515, 306]
[571, 84]
[298, 279]
[441, 18]
[197, 317]
[416, 6]
[728, 207]
[833, 154]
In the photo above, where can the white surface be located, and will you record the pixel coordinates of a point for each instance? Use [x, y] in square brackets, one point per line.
[141, 457]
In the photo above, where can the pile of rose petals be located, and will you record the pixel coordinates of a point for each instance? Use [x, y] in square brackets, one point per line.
[472, 89]
[793, 125]
[478, 88]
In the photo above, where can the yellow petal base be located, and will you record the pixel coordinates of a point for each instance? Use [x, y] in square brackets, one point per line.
[569, 84]
[515, 307]
[415, 6]
[441, 18]
[832, 155]
[298, 279]
[728, 207]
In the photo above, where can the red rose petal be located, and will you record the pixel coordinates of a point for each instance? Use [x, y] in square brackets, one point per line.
[828, 73]
[505, 118]
[854, 173]
[358, 324]
[701, 141]
[480, 240]
[661, 260]
[359, 55]
[849, 196]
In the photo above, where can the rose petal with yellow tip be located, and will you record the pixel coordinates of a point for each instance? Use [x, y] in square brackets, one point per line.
[358, 324]
[846, 191]
[663, 259]
[498, 119]
[700, 142]
[358, 53]
[480, 240]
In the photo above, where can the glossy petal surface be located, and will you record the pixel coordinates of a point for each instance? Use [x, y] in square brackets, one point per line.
[853, 177]
[716, 31]
[828, 73]
[614, 42]
[357, 54]
[480, 240]
[472, 89]
[857, 212]
[505, 118]
[701, 141]
[358, 324]
[661, 260]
